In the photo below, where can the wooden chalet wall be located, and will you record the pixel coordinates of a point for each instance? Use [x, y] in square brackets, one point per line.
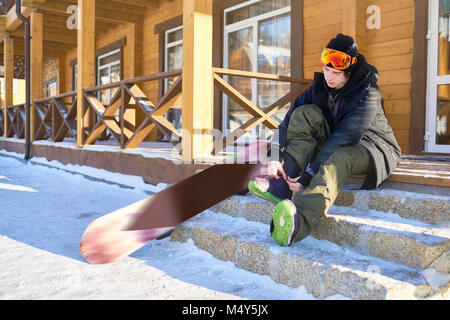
[151, 50]
[140, 54]
[390, 48]
[131, 58]
[150, 54]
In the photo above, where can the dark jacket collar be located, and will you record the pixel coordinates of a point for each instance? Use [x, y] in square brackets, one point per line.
[363, 76]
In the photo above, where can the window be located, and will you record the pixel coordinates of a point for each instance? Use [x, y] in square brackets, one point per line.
[173, 54]
[109, 71]
[15, 86]
[257, 38]
[109, 59]
[437, 132]
[51, 87]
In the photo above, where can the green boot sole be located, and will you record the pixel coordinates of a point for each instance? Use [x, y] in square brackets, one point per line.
[256, 190]
[285, 223]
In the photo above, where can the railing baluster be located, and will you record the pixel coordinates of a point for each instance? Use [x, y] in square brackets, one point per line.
[57, 119]
[259, 116]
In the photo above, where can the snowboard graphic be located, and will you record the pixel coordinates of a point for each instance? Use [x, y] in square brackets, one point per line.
[120, 233]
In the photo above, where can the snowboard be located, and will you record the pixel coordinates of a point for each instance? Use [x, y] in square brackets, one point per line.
[122, 232]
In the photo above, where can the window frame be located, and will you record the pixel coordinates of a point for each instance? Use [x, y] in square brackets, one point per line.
[48, 83]
[253, 23]
[433, 81]
[167, 46]
[119, 44]
[15, 86]
[108, 66]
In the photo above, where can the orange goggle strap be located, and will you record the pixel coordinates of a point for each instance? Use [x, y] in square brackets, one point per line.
[339, 60]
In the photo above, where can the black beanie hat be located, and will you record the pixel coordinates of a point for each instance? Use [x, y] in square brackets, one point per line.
[344, 44]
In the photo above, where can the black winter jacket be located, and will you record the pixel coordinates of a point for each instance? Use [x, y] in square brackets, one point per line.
[360, 119]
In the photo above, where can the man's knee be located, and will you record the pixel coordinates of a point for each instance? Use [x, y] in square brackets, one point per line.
[353, 159]
[307, 110]
[307, 118]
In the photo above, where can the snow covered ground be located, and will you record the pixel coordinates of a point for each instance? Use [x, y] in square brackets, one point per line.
[45, 210]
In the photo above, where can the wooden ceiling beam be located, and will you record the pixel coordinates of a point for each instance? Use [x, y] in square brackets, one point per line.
[2, 24]
[12, 21]
[53, 34]
[149, 4]
[60, 21]
[101, 14]
[32, 3]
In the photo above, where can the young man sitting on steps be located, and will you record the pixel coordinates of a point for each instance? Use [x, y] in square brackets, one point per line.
[335, 129]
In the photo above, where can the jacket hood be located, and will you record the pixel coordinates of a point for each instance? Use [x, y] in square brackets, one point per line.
[361, 76]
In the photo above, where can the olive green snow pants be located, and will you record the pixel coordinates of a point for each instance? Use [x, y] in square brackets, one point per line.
[307, 132]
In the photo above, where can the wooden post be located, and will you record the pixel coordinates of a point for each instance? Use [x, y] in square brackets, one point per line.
[9, 76]
[86, 61]
[36, 66]
[130, 112]
[354, 21]
[197, 113]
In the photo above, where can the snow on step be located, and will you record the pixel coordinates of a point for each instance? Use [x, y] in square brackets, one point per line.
[380, 234]
[431, 209]
[322, 267]
[388, 236]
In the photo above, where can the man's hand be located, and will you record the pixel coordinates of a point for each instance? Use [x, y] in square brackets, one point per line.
[275, 170]
[293, 184]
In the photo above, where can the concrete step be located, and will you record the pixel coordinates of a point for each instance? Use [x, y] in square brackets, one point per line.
[431, 209]
[321, 266]
[379, 234]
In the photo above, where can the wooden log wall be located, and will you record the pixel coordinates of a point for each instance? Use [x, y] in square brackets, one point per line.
[390, 48]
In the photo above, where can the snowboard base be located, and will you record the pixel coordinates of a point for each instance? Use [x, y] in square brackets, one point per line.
[120, 233]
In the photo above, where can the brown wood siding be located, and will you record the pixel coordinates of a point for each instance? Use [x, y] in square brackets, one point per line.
[322, 20]
[419, 79]
[151, 47]
[390, 49]
[150, 53]
[131, 62]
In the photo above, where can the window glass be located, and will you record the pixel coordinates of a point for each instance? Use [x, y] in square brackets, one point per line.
[109, 70]
[443, 115]
[52, 87]
[443, 96]
[254, 10]
[274, 56]
[174, 36]
[112, 58]
[104, 79]
[259, 43]
[175, 57]
[240, 57]
[174, 60]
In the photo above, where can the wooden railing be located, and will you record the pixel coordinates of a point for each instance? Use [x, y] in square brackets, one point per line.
[260, 116]
[118, 117]
[15, 118]
[56, 117]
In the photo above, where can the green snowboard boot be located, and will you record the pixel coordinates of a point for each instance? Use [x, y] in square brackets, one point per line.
[285, 223]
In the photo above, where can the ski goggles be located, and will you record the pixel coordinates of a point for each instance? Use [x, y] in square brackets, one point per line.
[339, 60]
